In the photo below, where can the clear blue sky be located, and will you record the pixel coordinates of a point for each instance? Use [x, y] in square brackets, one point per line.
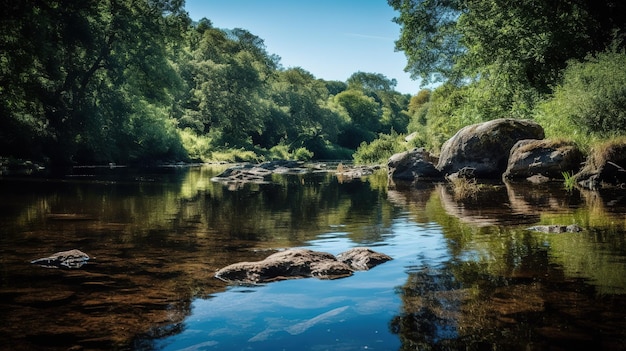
[329, 38]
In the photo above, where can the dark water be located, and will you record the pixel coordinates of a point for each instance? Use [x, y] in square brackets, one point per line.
[466, 275]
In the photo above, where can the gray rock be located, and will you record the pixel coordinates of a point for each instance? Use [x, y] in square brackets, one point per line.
[485, 147]
[549, 158]
[64, 259]
[412, 165]
[556, 228]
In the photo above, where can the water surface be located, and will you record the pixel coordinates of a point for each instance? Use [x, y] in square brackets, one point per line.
[466, 275]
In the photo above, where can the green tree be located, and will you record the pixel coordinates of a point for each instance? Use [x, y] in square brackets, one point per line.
[71, 71]
[228, 75]
[528, 40]
[371, 82]
[364, 115]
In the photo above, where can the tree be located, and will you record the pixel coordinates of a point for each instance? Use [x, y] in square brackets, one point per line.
[71, 70]
[530, 41]
[371, 82]
[364, 113]
[228, 75]
[429, 37]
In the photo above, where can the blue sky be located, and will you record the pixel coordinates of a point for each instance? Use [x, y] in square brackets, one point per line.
[329, 38]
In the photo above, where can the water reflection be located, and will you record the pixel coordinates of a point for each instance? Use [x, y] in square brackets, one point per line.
[466, 275]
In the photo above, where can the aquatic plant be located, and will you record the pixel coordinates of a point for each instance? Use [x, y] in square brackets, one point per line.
[569, 180]
[464, 188]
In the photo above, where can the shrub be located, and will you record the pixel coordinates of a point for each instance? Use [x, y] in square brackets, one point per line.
[591, 100]
[379, 150]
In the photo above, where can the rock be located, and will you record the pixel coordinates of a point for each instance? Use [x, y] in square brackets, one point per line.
[64, 259]
[463, 173]
[538, 179]
[300, 263]
[549, 158]
[605, 166]
[356, 172]
[412, 165]
[556, 228]
[259, 173]
[486, 146]
[362, 258]
[288, 264]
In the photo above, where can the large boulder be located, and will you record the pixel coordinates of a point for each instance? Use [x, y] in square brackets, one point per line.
[301, 263]
[485, 146]
[411, 165]
[548, 158]
[605, 166]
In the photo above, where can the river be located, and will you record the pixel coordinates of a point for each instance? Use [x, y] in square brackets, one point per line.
[465, 275]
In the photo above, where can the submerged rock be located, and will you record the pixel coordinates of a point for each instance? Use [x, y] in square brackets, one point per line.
[301, 263]
[64, 259]
[556, 228]
[260, 173]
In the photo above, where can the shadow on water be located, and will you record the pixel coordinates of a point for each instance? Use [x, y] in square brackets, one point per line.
[466, 274]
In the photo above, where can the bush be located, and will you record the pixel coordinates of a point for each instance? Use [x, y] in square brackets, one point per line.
[197, 146]
[591, 100]
[281, 152]
[379, 150]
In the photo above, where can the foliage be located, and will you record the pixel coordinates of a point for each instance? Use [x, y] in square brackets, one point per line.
[502, 59]
[197, 146]
[590, 101]
[380, 149]
[281, 152]
[135, 81]
[568, 180]
[71, 73]
[526, 40]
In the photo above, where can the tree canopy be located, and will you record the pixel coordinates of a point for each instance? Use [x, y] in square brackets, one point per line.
[131, 81]
[530, 40]
[522, 59]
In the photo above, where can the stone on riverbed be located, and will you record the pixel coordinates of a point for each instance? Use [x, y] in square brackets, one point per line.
[301, 263]
[64, 259]
[556, 228]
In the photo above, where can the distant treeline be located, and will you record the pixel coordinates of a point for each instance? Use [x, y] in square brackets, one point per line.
[136, 81]
[129, 81]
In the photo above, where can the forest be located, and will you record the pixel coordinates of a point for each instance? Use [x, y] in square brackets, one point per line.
[138, 82]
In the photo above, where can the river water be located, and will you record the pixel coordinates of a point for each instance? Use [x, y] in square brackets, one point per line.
[465, 275]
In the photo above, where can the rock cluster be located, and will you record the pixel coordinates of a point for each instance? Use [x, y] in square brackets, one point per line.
[259, 173]
[513, 150]
[302, 263]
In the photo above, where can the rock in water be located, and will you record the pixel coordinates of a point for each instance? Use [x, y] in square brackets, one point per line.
[362, 258]
[485, 147]
[301, 263]
[64, 259]
[556, 228]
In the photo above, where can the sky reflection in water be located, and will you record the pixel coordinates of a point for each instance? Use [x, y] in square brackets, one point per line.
[311, 314]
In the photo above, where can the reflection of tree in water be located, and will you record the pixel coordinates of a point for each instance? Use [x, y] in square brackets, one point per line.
[431, 306]
[462, 305]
